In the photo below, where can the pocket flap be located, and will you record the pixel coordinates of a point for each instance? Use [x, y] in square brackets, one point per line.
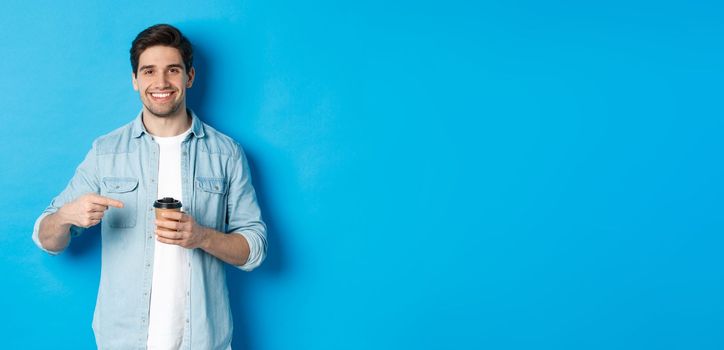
[120, 184]
[211, 184]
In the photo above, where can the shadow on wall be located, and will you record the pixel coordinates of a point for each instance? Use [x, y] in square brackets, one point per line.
[195, 99]
[240, 282]
[88, 242]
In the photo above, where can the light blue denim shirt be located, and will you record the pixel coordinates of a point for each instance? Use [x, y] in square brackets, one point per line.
[215, 177]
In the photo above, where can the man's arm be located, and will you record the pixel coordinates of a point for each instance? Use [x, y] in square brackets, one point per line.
[243, 213]
[52, 230]
[232, 248]
[85, 211]
[54, 233]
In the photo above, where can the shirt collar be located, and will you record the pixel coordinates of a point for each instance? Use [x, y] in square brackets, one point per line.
[138, 129]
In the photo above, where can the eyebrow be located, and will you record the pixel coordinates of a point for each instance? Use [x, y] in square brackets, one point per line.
[175, 65]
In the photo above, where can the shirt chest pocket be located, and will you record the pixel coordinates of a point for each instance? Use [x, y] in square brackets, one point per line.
[211, 201]
[125, 190]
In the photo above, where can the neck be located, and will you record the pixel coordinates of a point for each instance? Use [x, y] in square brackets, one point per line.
[166, 126]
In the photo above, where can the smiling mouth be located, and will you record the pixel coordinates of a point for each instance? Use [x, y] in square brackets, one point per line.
[161, 96]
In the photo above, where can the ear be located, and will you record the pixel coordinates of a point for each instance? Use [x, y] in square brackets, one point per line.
[192, 74]
[134, 81]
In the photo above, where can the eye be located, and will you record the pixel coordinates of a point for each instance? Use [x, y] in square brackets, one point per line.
[147, 72]
[174, 70]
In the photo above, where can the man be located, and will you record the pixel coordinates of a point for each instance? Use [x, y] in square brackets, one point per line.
[162, 282]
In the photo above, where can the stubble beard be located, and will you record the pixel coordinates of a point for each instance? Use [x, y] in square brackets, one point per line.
[163, 113]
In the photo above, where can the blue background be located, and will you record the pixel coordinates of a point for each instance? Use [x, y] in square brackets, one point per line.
[434, 175]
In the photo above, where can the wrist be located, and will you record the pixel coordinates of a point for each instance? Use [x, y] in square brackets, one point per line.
[206, 236]
[63, 219]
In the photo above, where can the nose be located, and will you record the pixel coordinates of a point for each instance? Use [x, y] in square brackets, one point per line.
[163, 81]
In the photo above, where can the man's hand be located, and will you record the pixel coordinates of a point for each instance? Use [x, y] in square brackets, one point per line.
[180, 229]
[87, 210]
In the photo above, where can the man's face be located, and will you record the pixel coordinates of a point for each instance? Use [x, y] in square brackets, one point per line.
[162, 80]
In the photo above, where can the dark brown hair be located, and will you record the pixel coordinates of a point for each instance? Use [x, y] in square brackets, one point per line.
[164, 35]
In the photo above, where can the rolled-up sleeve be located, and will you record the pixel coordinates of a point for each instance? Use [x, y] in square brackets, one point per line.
[85, 180]
[243, 213]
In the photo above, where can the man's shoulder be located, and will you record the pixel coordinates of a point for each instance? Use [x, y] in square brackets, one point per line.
[216, 142]
[116, 141]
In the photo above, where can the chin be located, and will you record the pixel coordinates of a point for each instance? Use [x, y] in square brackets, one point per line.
[163, 113]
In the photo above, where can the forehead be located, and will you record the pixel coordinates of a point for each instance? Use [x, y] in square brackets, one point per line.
[160, 56]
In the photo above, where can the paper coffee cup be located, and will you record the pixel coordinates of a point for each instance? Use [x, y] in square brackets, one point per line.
[166, 204]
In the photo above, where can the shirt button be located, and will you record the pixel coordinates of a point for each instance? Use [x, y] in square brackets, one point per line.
[184, 153]
[187, 320]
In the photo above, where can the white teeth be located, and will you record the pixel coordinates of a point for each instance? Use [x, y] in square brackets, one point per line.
[167, 94]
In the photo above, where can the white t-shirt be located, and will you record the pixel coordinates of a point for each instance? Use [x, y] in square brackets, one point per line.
[170, 262]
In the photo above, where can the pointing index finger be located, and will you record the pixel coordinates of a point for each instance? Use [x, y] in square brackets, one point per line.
[107, 201]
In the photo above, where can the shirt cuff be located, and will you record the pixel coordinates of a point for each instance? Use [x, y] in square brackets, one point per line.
[36, 232]
[74, 232]
[257, 250]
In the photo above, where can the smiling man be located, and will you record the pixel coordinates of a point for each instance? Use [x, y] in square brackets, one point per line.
[162, 282]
